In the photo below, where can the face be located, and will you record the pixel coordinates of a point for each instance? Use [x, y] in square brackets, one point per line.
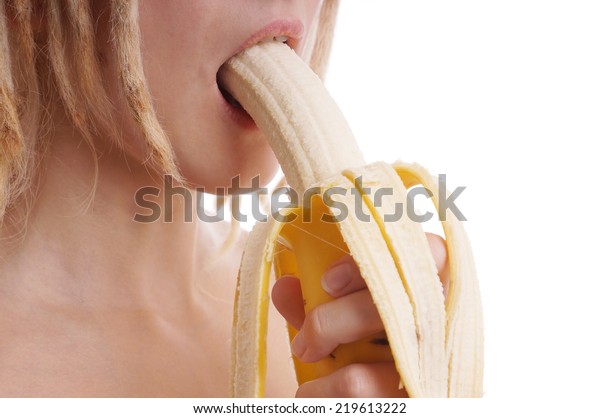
[184, 43]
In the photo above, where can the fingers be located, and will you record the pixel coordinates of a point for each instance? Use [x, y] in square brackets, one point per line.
[438, 250]
[440, 255]
[351, 316]
[375, 380]
[287, 298]
[340, 321]
[342, 278]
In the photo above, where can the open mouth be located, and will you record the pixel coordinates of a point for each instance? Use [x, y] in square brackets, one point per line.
[234, 107]
[229, 97]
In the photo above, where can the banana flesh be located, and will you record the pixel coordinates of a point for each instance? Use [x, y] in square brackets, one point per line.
[307, 132]
[437, 345]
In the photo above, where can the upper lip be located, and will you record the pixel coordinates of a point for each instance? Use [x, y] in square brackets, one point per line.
[292, 28]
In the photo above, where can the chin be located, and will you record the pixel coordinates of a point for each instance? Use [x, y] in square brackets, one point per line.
[222, 173]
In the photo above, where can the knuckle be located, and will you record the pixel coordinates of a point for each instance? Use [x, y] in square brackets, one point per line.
[354, 381]
[316, 324]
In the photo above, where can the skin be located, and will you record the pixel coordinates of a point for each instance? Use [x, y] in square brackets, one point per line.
[337, 322]
[94, 304]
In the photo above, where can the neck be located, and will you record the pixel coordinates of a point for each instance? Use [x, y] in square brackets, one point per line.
[80, 248]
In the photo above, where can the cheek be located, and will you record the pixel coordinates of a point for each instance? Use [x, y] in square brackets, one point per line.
[182, 84]
[185, 44]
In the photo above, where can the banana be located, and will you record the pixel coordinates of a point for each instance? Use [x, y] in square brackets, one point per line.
[436, 344]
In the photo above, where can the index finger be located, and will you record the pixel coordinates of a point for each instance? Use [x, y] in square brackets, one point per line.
[343, 277]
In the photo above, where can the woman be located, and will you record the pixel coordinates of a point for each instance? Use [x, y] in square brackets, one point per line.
[98, 100]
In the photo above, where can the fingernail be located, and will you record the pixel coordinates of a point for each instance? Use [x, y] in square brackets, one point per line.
[336, 278]
[298, 345]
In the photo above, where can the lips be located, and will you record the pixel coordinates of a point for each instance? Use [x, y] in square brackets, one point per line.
[286, 31]
[226, 94]
[292, 29]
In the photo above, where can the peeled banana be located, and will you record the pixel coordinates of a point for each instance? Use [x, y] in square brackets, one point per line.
[436, 344]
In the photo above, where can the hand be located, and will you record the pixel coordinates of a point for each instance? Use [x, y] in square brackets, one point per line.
[349, 317]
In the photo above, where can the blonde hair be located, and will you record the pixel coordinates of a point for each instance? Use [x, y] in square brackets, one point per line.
[71, 33]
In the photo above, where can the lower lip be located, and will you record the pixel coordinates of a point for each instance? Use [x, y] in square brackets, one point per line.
[239, 116]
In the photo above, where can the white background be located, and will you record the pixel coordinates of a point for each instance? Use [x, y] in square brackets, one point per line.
[503, 97]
